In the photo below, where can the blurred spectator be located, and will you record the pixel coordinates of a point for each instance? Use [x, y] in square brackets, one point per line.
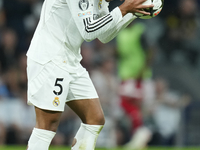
[11, 79]
[16, 126]
[15, 11]
[8, 49]
[132, 55]
[189, 31]
[134, 60]
[183, 33]
[14, 79]
[166, 112]
[106, 84]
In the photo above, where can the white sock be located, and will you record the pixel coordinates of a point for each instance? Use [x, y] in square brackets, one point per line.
[40, 139]
[86, 137]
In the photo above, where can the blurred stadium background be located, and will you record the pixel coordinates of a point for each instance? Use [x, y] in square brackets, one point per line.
[154, 64]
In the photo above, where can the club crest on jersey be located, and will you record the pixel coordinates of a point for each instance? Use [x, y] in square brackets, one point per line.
[83, 4]
[100, 4]
[56, 102]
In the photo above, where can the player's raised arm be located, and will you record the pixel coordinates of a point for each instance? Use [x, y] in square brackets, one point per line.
[128, 17]
[83, 14]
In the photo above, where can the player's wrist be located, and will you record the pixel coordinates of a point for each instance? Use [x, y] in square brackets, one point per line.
[123, 10]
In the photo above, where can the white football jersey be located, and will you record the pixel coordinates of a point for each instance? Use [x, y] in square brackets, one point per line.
[65, 24]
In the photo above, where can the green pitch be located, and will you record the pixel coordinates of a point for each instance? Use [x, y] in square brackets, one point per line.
[67, 148]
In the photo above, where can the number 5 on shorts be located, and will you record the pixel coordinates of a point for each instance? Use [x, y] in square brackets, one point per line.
[59, 85]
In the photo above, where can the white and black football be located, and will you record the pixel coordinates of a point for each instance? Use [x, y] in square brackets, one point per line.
[158, 5]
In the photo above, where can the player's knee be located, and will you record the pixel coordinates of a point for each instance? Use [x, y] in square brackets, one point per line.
[47, 120]
[50, 125]
[54, 125]
[99, 119]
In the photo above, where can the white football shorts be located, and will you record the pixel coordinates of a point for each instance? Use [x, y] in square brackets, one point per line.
[50, 87]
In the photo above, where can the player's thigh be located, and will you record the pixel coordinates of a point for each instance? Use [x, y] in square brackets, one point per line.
[89, 110]
[46, 119]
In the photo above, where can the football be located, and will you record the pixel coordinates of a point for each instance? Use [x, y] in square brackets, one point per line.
[158, 5]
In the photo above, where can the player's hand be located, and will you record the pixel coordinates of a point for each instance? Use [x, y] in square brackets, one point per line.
[134, 6]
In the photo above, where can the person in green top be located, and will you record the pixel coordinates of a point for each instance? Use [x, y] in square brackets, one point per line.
[133, 59]
[133, 69]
